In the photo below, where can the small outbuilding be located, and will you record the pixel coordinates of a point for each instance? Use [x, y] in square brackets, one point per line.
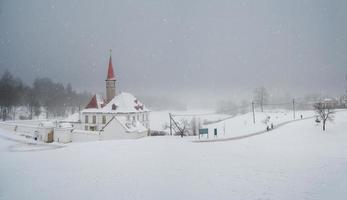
[63, 133]
[45, 132]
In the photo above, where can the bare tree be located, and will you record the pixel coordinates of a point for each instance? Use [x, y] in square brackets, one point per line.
[10, 93]
[185, 127]
[325, 112]
[31, 102]
[261, 96]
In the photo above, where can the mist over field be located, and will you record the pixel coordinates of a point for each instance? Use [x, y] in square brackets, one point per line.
[196, 52]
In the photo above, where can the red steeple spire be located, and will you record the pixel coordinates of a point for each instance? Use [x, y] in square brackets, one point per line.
[110, 73]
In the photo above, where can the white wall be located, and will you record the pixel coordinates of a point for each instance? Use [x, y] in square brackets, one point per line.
[85, 136]
[28, 122]
[43, 133]
[115, 130]
[27, 129]
[109, 116]
[6, 126]
[63, 135]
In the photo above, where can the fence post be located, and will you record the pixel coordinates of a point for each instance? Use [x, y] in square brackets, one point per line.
[253, 112]
[294, 109]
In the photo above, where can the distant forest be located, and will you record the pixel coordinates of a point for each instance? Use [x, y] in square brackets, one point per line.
[43, 95]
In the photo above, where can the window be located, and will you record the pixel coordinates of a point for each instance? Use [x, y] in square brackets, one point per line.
[94, 119]
[143, 117]
[128, 117]
[86, 120]
[104, 119]
[114, 107]
[138, 117]
[134, 118]
[86, 128]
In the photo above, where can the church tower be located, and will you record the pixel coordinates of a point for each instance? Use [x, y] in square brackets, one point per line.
[110, 81]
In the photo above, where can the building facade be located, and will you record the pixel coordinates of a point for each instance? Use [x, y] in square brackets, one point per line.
[123, 110]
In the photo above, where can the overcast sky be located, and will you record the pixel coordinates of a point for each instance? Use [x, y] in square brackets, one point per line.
[171, 47]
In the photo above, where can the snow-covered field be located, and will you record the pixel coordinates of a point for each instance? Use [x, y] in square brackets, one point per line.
[231, 126]
[243, 124]
[295, 161]
[161, 118]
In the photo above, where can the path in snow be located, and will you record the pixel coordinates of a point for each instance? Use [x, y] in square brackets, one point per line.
[252, 134]
[255, 133]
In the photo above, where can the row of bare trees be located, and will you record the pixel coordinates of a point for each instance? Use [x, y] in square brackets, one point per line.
[55, 98]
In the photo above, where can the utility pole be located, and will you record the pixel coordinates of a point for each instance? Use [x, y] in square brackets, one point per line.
[253, 112]
[181, 130]
[170, 124]
[294, 109]
[79, 114]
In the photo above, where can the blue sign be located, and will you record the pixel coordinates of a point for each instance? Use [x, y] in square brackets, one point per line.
[203, 131]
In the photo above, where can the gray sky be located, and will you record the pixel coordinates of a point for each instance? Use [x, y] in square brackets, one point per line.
[179, 47]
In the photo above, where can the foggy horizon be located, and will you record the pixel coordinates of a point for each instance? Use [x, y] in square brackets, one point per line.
[182, 49]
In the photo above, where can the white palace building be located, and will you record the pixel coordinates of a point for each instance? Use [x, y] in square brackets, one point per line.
[119, 116]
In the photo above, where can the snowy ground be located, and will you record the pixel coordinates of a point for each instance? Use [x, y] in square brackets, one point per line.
[230, 127]
[159, 119]
[296, 161]
[243, 124]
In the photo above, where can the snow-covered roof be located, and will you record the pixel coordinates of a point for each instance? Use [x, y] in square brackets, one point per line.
[46, 124]
[64, 125]
[122, 103]
[72, 118]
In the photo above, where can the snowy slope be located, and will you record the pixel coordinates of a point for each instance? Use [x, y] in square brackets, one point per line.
[243, 124]
[159, 119]
[296, 161]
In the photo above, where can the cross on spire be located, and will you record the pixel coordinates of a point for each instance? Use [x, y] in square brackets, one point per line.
[110, 73]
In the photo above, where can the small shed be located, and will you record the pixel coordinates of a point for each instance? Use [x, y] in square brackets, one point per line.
[63, 133]
[45, 131]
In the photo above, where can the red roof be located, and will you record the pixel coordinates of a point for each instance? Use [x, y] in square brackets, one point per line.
[93, 103]
[110, 73]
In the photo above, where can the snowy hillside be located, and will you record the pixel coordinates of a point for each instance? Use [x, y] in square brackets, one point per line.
[161, 118]
[243, 124]
[295, 161]
[227, 125]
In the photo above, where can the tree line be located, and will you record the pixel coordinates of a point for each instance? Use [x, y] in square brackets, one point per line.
[53, 98]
